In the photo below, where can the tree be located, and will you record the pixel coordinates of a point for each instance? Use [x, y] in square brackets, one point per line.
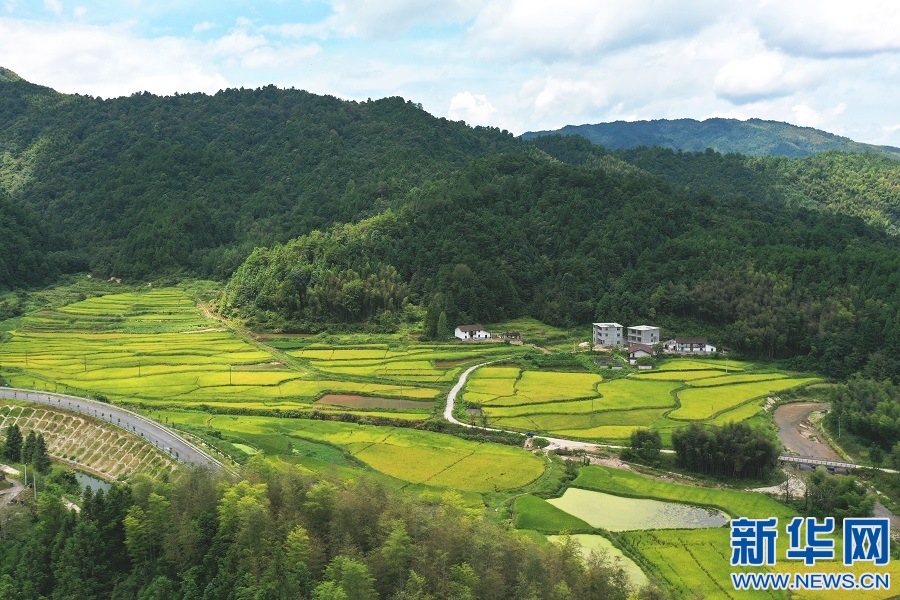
[12, 450]
[353, 577]
[646, 444]
[40, 456]
[443, 330]
[28, 447]
[432, 316]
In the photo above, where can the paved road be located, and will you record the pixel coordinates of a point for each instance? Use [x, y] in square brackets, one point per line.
[158, 435]
[8, 494]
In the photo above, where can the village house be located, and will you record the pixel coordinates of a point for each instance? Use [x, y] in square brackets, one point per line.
[643, 334]
[608, 334]
[471, 332]
[689, 345]
[636, 351]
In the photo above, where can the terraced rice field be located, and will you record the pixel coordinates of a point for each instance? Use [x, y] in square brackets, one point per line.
[414, 456]
[415, 364]
[88, 442]
[157, 349]
[705, 402]
[582, 405]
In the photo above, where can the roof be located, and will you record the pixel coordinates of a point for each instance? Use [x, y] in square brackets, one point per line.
[636, 347]
[476, 327]
[691, 340]
[607, 325]
[644, 327]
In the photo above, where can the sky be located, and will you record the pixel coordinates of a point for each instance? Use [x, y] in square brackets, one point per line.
[520, 65]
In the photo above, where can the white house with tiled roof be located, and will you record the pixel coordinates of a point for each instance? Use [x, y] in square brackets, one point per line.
[472, 332]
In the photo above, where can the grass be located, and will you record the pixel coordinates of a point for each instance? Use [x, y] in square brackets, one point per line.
[537, 514]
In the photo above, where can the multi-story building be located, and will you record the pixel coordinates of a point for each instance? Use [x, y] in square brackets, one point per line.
[643, 334]
[608, 334]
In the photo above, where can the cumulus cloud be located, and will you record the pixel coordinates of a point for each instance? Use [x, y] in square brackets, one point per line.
[765, 75]
[474, 109]
[104, 61]
[830, 27]
[363, 18]
[572, 28]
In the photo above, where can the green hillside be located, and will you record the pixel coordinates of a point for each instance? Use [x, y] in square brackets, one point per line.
[513, 236]
[754, 137]
[148, 185]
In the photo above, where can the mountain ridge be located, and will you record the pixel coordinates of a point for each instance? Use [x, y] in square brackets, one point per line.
[754, 137]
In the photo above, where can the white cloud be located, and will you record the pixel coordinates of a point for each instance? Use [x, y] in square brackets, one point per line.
[572, 28]
[204, 26]
[363, 18]
[80, 12]
[104, 61]
[54, 6]
[474, 109]
[830, 27]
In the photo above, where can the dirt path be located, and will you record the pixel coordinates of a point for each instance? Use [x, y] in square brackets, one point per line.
[798, 434]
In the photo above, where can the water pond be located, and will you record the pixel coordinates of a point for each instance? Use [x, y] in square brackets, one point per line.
[615, 513]
[599, 544]
[85, 480]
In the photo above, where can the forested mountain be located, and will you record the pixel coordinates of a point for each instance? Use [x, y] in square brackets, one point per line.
[389, 207]
[861, 185]
[754, 137]
[515, 235]
[147, 185]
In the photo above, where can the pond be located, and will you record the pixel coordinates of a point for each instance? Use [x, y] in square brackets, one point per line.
[85, 480]
[615, 513]
[600, 544]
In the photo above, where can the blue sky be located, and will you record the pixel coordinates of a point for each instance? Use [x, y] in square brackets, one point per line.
[516, 64]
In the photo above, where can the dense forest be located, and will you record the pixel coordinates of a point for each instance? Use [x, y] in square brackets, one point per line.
[517, 235]
[753, 137]
[146, 185]
[283, 534]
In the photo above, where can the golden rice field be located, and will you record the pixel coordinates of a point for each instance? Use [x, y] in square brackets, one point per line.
[414, 456]
[582, 405]
[157, 349]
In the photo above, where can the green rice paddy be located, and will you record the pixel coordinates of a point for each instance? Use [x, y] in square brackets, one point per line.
[409, 455]
[156, 348]
[582, 405]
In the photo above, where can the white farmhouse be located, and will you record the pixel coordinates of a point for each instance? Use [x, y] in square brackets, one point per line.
[472, 332]
[689, 345]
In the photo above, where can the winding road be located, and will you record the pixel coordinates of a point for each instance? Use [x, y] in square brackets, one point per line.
[162, 437]
[555, 443]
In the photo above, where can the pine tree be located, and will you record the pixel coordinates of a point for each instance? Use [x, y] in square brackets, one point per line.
[40, 456]
[28, 447]
[13, 448]
[443, 330]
